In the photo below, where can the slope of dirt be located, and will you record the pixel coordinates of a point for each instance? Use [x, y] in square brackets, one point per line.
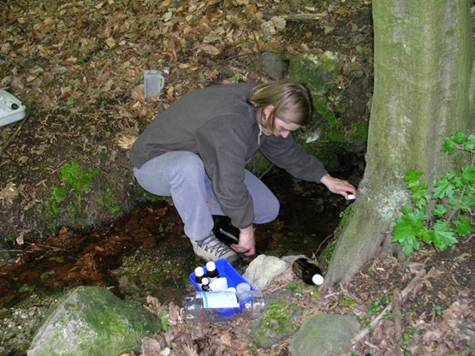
[78, 68]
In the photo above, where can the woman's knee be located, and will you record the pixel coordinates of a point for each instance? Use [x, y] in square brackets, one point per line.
[274, 208]
[268, 210]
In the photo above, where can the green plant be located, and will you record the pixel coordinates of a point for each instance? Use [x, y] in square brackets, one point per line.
[406, 337]
[164, 319]
[76, 177]
[377, 305]
[440, 216]
[52, 207]
[107, 201]
[296, 288]
[438, 310]
[347, 301]
[75, 181]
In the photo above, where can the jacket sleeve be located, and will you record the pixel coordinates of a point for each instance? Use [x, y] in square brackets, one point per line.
[287, 154]
[222, 148]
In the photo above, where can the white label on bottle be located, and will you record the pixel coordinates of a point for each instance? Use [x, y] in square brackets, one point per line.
[213, 300]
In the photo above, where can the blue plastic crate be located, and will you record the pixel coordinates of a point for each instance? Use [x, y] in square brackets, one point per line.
[225, 269]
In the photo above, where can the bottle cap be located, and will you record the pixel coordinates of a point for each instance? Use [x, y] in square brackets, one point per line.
[199, 272]
[210, 266]
[205, 281]
[317, 279]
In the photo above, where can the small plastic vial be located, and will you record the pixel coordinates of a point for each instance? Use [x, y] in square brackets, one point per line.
[307, 271]
[212, 271]
[153, 82]
[199, 274]
[205, 284]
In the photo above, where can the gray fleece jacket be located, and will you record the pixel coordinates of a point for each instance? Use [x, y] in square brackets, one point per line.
[220, 125]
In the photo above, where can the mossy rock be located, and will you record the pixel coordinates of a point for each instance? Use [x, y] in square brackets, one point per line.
[317, 72]
[324, 335]
[278, 320]
[92, 321]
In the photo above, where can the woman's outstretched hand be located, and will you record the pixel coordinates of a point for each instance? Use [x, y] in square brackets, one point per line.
[338, 186]
[247, 243]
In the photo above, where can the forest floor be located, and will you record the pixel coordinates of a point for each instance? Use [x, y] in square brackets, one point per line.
[78, 66]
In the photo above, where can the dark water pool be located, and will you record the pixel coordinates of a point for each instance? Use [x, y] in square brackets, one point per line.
[145, 252]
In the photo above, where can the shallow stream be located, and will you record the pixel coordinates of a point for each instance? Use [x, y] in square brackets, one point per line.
[146, 253]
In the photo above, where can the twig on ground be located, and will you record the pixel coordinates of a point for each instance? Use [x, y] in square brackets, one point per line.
[397, 321]
[11, 138]
[410, 288]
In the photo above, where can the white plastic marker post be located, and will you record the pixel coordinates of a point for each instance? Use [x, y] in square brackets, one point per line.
[351, 197]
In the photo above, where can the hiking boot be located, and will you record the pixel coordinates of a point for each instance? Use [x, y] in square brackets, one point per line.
[211, 249]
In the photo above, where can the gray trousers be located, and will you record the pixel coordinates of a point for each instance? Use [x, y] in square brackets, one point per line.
[181, 175]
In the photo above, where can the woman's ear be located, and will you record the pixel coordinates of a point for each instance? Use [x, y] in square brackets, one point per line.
[267, 111]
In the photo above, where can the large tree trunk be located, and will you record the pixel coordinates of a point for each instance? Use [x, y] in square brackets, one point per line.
[422, 70]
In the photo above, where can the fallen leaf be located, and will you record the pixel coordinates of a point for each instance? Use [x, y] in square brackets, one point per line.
[211, 50]
[126, 141]
[9, 193]
[20, 239]
[110, 42]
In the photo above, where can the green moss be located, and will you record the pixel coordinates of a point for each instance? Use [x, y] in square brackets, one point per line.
[328, 251]
[152, 198]
[317, 72]
[278, 318]
[141, 275]
[75, 181]
[90, 320]
[359, 131]
[108, 202]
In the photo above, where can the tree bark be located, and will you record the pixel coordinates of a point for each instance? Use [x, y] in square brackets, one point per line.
[422, 77]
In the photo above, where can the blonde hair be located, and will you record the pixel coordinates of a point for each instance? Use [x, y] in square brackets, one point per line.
[291, 100]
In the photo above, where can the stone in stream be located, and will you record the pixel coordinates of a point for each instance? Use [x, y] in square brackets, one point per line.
[273, 65]
[93, 321]
[324, 335]
[263, 269]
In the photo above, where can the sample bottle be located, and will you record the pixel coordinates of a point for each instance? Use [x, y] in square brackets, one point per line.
[199, 274]
[226, 232]
[307, 271]
[205, 284]
[221, 306]
[212, 271]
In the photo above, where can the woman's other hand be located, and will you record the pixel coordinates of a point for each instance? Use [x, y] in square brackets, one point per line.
[338, 186]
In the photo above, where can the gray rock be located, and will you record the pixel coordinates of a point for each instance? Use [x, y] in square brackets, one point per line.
[263, 269]
[324, 335]
[92, 321]
[273, 65]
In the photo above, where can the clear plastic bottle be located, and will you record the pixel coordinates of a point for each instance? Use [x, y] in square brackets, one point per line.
[307, 271]
[222, 306]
